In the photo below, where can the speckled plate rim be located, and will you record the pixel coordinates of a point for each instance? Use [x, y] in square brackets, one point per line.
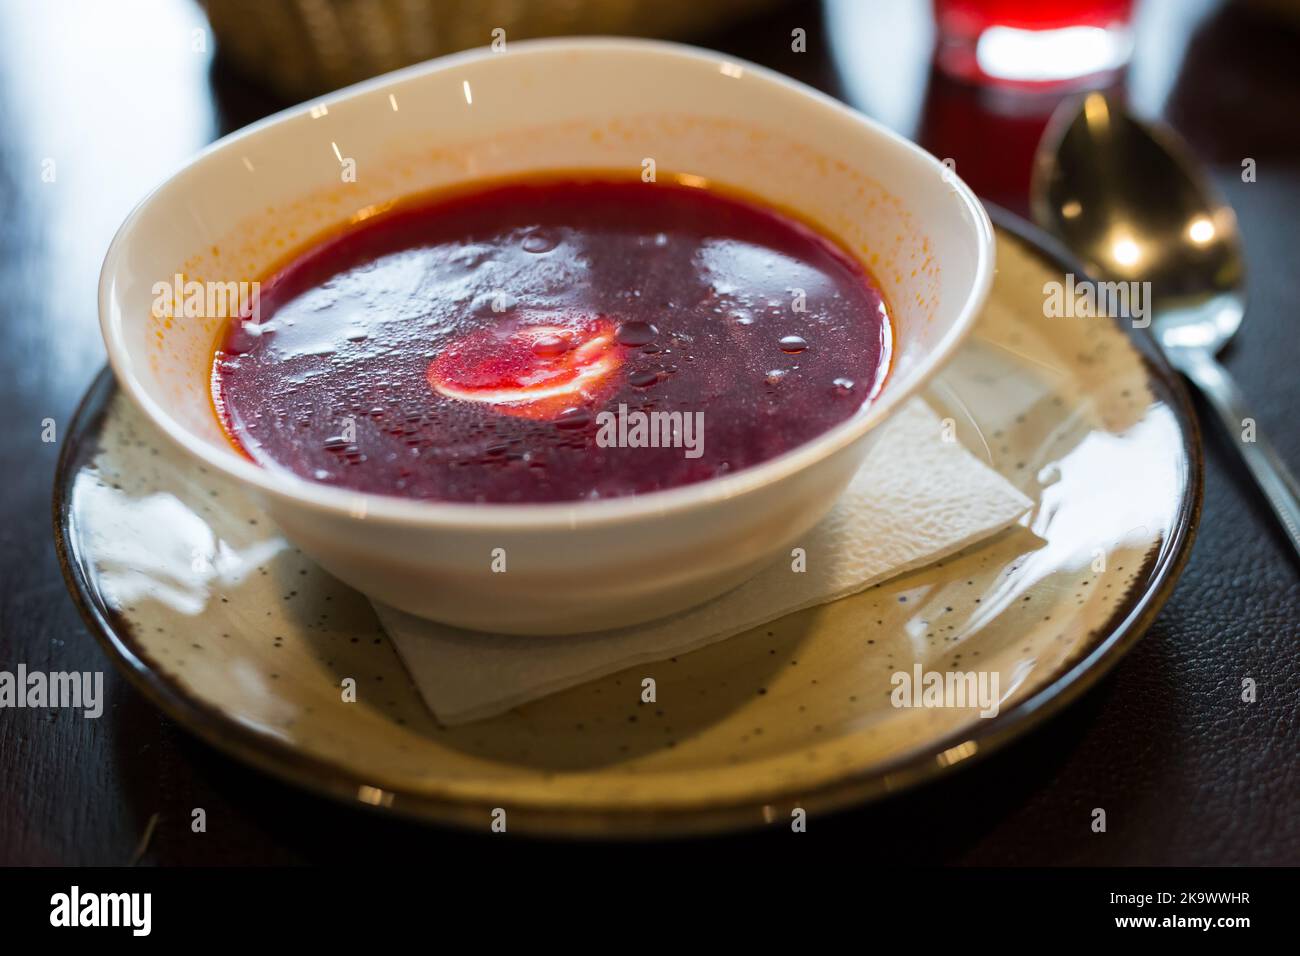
[1126, 625]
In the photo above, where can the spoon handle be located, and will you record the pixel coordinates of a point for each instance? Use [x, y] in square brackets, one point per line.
[1278, 484]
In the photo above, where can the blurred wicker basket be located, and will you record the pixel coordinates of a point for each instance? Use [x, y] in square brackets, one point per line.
[301, 48]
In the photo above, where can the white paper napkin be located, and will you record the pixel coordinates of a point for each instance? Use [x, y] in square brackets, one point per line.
[916, 499]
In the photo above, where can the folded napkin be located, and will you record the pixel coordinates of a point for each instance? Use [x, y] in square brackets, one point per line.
[916, 499]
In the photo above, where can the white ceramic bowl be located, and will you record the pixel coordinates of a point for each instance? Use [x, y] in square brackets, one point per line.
[598, 104]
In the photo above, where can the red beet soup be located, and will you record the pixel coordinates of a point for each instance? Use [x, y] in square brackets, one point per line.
[556, 340]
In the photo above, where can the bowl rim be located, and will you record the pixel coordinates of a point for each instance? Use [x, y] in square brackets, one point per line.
[420, 513]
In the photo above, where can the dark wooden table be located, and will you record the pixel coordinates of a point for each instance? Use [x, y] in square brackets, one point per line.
[110, 98]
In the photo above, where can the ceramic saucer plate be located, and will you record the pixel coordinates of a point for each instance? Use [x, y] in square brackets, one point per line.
[243, 640]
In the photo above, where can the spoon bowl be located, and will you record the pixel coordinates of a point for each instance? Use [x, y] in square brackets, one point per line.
[1133, 205]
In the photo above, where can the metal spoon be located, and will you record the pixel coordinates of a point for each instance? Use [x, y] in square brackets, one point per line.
[1130, 202]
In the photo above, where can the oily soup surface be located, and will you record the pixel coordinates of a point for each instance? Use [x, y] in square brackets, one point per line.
[500, 346]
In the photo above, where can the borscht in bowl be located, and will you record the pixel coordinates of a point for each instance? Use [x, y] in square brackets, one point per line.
[556, 340]
[552, 340]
